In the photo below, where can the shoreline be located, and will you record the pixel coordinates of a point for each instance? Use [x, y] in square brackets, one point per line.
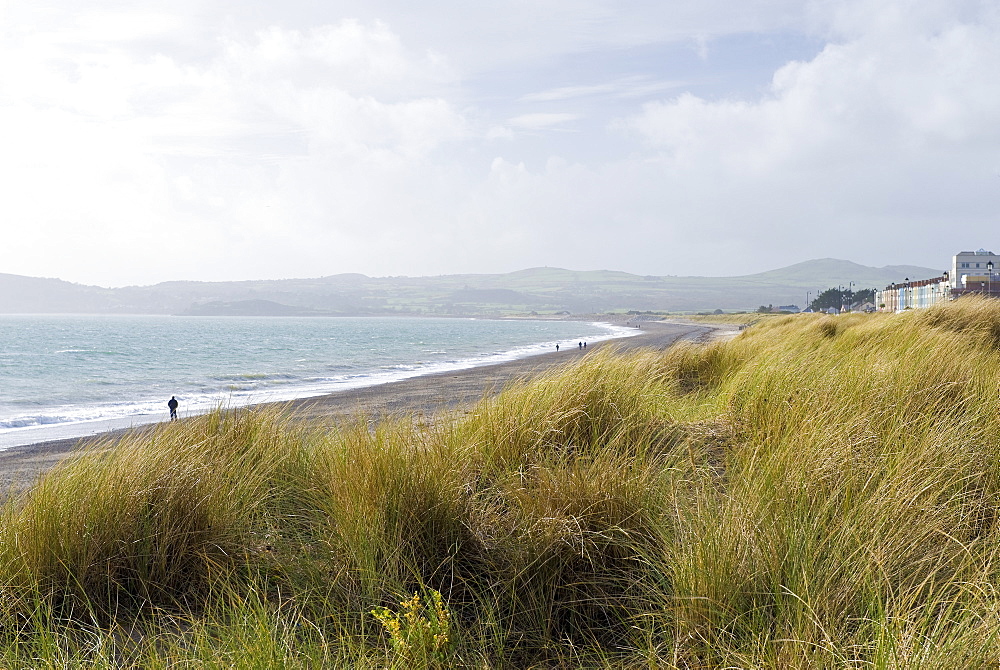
[20, 466]
[265, 382]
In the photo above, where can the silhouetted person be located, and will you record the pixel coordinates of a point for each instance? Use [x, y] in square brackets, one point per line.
[557, 347]
[172, 404]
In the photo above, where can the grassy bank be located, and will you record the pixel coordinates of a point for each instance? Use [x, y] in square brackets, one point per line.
[818, 492]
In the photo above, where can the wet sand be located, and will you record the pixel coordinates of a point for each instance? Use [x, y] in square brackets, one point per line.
[21, 466]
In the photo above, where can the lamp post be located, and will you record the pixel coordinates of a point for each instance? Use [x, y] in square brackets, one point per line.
[808, 293]
[850, 294]
[989, 279]
[906, 294]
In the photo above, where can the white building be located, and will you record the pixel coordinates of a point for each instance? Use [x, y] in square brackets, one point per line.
[974, 264]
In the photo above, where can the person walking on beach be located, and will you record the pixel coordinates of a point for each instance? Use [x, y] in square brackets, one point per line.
[557, 347]
[172, 404]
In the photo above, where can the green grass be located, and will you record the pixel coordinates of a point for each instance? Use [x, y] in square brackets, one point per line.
[817, 492]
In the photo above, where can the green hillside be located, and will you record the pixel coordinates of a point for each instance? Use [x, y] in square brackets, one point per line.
[539, 290]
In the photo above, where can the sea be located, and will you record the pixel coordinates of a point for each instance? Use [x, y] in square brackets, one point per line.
[70, 376]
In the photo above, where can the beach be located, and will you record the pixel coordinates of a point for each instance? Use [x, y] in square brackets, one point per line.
[21, 466]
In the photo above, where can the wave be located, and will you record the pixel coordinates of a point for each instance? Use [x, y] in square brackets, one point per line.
[241, 389]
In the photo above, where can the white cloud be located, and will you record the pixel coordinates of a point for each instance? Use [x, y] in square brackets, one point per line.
[105, 151]
[355, 58]
[627, 87]
[870, 140]
[522, 35]
[124, 25]
[542, 120]
[302, 139]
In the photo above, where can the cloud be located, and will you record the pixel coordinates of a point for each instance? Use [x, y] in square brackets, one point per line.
[511, 33]
[872, 139]
[353, 57]
[541, 120]
[128, 156]
[188, 140]
[627, 87]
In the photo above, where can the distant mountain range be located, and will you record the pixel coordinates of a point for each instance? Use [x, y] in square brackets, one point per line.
[537, 290]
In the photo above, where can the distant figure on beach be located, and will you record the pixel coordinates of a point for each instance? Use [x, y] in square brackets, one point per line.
[584, 345]
[580, 344]
[557, 347]
[172, 404]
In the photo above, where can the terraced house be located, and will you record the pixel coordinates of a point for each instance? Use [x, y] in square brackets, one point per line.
[972, 272]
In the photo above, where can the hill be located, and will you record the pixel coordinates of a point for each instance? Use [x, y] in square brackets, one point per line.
[534, 290]
[805, 274]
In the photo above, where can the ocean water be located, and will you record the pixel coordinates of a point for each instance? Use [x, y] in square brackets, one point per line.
[71, 376]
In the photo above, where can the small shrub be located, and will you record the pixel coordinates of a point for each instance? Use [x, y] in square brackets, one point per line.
[421, 631]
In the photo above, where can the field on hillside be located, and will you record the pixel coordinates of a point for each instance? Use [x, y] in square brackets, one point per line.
[821, 491]
[540, 291]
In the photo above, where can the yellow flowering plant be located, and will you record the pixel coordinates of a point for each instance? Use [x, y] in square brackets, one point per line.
[420, 631]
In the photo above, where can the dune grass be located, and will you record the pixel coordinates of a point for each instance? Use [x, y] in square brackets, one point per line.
[818, 492]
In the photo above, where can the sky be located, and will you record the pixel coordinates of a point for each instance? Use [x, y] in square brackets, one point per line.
[223, 140]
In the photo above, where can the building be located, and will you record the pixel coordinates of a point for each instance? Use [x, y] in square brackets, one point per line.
[975, 272]
[966, 263]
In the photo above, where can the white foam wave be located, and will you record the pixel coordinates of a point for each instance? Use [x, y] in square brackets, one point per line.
[249, 389]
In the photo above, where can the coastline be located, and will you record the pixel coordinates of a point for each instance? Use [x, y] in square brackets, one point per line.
[119, 372]
[20, 466]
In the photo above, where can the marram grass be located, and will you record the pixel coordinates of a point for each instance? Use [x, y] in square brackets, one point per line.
[817, 492]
